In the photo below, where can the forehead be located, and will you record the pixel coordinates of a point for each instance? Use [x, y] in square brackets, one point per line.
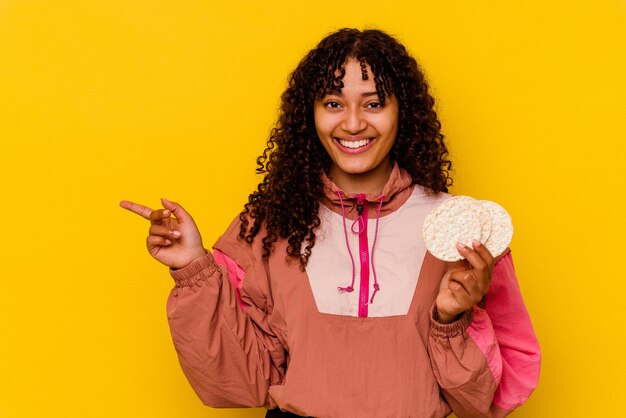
[358, 78]
[357, 74]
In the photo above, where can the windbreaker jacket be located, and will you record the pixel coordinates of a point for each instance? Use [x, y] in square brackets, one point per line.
[356, 334]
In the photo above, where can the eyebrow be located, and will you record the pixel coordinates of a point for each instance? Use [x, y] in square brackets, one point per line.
[366, 94]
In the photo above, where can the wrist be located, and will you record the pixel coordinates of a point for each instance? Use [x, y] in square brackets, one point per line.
[193, 256]
[195, 272]
[446, 318]
[453, 329]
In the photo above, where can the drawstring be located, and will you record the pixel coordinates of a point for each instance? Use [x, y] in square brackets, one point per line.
[376, 285]
[359, 220]
[360, 198]
[345, 232]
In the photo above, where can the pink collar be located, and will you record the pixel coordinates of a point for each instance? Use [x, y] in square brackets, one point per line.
[396, 191]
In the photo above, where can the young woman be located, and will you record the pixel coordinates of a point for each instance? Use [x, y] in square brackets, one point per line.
[320, 299]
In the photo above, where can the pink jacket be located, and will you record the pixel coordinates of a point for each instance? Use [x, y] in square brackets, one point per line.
[355, 335]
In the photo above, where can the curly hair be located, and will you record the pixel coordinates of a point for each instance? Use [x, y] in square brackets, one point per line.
[286, 202]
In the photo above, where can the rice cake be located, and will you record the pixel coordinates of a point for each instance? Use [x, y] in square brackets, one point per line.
[463, 219]
[455, 220]
[502, 227]
[485, 222]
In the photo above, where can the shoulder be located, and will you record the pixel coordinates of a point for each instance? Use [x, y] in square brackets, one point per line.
[425, 199]
[232, 243]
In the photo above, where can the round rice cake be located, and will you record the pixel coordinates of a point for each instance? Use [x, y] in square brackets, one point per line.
[457, 219]
[485, 222]
[501, 225]
[479, 211]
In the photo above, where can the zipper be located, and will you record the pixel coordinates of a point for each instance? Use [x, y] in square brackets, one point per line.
[364, 256]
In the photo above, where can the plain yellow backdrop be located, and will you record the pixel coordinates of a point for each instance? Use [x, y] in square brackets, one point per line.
[108, 100]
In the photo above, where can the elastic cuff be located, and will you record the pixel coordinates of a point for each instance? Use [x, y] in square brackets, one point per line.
[453, 329]
[199, 269]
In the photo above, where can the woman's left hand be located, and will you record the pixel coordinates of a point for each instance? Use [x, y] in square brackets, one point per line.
[466, 283]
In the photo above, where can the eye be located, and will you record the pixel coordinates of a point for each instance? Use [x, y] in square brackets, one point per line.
[331, 104]
[374, 105]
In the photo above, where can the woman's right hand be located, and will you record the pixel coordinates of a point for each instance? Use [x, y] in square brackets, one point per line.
[173, 241]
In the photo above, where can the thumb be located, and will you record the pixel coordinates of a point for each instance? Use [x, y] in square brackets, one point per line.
[179, 212]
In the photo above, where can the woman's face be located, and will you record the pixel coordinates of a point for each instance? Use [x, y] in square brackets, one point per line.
[355, 128]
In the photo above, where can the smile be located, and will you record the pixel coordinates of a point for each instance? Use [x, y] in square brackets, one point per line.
[354, 144]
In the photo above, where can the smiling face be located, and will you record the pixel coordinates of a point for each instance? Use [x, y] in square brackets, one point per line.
[357, 131]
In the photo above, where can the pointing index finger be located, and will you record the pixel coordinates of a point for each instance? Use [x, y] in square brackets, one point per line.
[140, 210]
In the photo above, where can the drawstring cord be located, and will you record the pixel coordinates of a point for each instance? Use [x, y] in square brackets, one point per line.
[345, 232]
[359, 220]
[376, 285]
[360, 199]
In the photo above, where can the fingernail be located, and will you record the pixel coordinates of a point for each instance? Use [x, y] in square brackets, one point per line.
[176, 234]
[168, 242]
[165, 200]
[166, 212]
[460, 246]
[476, 242]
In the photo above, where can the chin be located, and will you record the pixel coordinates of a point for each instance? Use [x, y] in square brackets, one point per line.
[356, 169]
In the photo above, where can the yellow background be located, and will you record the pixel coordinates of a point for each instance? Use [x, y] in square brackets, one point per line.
[108, 100]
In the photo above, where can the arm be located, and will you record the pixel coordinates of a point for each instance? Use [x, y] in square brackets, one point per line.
[521, 355]
[466, 362]
[229, 355]
[487, 362]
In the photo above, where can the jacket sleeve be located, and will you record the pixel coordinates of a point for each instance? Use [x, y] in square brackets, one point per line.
[480, 358]
[521, 355]
[224, 344]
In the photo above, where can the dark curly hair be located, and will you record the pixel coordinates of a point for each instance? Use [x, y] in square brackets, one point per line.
[286, 202]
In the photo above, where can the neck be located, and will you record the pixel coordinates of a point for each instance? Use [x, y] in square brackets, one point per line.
[371, 182]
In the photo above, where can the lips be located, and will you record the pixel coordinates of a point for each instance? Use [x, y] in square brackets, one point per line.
[354, 145]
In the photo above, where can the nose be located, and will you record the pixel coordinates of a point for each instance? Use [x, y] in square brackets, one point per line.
[354, 121]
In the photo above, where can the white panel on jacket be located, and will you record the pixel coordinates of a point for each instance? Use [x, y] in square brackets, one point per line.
[398, 257]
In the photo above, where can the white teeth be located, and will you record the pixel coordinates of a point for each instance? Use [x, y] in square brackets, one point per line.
[354, 144]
